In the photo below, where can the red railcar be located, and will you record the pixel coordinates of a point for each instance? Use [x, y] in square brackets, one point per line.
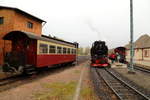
[121, 54]
[30, 52]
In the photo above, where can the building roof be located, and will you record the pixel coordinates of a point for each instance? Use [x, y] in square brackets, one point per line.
[30, 35]
[22, 12]
[141, 42]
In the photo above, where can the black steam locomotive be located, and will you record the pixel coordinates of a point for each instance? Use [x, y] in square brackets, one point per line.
[99, 53]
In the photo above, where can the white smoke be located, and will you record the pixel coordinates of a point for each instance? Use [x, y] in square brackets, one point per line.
[96, 30]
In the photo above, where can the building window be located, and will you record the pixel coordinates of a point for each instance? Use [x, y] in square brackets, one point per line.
[43, 48]
[52, 49]
[64, 50]
[59, 50]
[146, 53]
[1, 20]
[29, 25]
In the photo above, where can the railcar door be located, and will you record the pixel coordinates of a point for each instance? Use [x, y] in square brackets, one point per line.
[31, 52]
[16, 59]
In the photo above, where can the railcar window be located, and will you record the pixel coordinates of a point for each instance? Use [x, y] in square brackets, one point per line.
[52, 49]
[43, 48]
[72, 51]
[59, 50]
[64, 50]
[1, 20]
[68, 51]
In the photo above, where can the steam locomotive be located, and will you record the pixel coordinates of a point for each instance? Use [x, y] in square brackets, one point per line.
[99, 53]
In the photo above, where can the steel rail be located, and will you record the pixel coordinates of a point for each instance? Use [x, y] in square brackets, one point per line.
[141, 69]
[119, 97]
[128, 85]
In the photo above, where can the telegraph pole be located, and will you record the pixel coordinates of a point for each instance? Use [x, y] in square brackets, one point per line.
[131, 38]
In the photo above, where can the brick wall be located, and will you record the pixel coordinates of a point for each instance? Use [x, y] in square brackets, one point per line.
[15, 21]
[20, 23]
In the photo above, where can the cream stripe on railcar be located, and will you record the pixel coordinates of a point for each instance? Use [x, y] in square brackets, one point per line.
[51, 43]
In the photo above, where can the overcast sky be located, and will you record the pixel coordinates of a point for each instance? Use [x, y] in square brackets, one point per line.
[85, 21]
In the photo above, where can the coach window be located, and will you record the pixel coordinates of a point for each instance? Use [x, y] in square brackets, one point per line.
[1, 20]
[52, 49]
[72, 51]
[59, 50]
[68, 51]
[64, 50]
[43, 48]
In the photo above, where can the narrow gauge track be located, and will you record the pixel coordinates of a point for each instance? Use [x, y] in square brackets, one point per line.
[142, 69]
[120, 88]
[17, 80]
[102, 90]
[10, 80]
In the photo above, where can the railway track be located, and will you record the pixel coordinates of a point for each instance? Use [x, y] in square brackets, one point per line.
[142, 69]
[8, 80]
[120, 88]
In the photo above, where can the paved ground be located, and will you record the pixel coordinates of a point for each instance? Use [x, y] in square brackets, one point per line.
[60, 85]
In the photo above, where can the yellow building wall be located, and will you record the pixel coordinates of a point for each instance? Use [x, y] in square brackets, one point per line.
[138, 54]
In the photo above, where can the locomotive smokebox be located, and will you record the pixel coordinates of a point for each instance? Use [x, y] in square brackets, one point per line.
[99, 52]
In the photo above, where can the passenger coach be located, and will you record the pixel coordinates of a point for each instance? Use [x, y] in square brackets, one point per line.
[30, 51]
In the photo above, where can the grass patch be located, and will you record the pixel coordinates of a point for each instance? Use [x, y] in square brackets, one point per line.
[58, 91]
[88, 94]
[77, 71]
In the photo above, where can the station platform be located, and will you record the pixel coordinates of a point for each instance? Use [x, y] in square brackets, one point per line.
[143, 63]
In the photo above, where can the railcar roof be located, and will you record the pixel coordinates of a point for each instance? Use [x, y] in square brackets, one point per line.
[36, 37]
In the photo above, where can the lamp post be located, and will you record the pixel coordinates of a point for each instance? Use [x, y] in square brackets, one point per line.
[131, 37]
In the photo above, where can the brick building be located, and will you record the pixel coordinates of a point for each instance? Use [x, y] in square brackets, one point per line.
[14, 19]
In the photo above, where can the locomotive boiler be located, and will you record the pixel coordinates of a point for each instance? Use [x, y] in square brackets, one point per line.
[99, 53]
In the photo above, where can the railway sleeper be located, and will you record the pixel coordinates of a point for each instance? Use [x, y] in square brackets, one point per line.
[128, 96]
[123, 91]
